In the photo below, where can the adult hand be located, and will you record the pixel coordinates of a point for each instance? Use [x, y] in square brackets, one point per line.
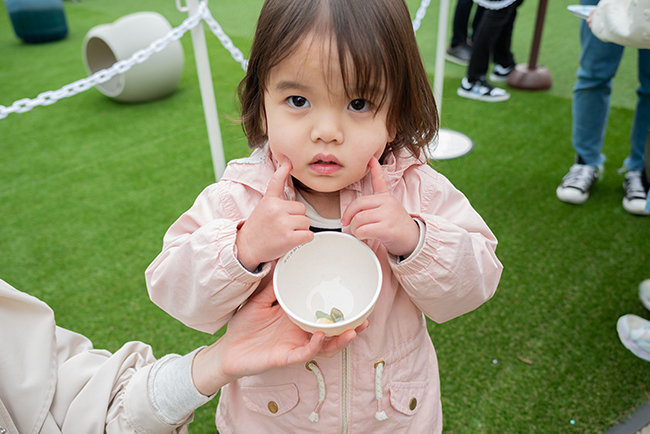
[590, 18]
[275, 226]
[260, 337]
[332, 347]
[382, 217]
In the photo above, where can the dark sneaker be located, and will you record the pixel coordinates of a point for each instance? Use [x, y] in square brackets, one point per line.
[459, 54]
[481, 90]
[576, 184]
[635, 193]
[500, 74]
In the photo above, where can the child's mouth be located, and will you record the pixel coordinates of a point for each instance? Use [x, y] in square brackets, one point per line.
[325, 164]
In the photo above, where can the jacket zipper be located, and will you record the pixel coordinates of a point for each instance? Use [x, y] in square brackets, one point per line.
[345, 387]
[344, 391]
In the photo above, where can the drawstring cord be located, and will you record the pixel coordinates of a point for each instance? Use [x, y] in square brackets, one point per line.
[379, 394]
[313, 367]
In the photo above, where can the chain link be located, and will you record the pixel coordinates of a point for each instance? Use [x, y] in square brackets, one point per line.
[223, 38]
[419, 15]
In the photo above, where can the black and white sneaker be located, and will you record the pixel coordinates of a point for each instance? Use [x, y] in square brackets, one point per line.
[636, 193]
[576, 184]
[481, 90]
[500, 73]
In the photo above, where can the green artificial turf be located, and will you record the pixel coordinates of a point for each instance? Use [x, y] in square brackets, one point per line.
[88, 188]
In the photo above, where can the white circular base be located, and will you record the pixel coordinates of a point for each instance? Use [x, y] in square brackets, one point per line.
[449, 144]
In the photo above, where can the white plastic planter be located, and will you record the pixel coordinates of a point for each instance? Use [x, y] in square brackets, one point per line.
[153, 79]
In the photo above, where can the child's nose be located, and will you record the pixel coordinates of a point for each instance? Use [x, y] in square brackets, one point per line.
[327, 128]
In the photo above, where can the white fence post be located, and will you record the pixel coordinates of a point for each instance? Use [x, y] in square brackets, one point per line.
[207, 93]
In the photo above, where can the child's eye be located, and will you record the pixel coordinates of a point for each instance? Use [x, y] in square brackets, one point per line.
[359, 105]
[298, 101]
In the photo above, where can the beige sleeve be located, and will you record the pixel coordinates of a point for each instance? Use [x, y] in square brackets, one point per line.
[624, 22]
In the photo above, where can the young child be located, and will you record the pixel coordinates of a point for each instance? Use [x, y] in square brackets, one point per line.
[337, 106]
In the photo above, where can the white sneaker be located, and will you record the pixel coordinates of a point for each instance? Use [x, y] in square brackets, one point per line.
[576, 184]
[500, 74]
[634, 332]
[635, 194]
[481, 90]
[644, 293]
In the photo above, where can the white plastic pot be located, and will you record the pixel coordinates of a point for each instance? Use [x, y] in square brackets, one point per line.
[155, 78]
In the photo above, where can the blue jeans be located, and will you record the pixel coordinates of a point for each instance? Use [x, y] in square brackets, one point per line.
[591, 96]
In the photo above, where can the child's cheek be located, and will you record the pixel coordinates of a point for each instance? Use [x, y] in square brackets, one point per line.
[276, 157]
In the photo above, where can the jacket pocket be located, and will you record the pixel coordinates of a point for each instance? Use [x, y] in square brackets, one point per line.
[407, 397]
[271, 401]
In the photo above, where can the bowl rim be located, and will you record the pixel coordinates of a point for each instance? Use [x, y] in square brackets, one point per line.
[346, 321]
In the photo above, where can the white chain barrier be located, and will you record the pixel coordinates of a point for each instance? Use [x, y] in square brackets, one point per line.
[419, 15]
[52, 96]
[223, 38]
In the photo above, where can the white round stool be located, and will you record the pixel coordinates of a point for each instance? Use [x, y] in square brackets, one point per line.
[155, 78]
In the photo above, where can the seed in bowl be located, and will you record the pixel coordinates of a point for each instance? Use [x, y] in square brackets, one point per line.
[335, 315]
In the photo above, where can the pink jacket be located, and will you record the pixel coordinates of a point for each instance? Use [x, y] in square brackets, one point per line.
[387, 379]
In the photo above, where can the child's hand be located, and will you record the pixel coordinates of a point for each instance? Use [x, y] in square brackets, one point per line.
[382, 217]
[274, 227]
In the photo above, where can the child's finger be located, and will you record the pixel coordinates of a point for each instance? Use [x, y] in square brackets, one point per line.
[275, 187]
[377, 175]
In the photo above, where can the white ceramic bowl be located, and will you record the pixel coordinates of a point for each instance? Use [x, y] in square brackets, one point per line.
[334, 270]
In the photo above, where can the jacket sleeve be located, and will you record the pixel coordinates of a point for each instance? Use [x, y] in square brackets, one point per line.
[624, 22]
[456, 270]
[97, 391]
[197, 277]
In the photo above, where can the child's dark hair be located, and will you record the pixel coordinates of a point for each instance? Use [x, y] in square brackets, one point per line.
[374, 37]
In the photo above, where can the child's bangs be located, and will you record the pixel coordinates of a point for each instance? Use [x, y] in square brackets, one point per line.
[362, 58]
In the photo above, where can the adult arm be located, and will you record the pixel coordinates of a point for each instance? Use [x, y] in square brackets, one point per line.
[133, 393]
[624, 22]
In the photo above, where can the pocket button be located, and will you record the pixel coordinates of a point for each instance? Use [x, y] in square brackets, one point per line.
[273, 407]
[413, 403]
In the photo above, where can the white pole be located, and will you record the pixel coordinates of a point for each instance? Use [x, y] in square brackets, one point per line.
[439, 74]
[449, 143]
[207, 92]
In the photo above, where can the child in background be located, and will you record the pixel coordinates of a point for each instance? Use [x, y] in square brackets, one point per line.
[337, 106]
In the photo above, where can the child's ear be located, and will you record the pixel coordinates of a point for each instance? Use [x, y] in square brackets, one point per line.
[263, 118]
[392, 133]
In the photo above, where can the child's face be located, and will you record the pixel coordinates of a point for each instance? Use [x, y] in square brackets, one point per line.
[328, 136]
